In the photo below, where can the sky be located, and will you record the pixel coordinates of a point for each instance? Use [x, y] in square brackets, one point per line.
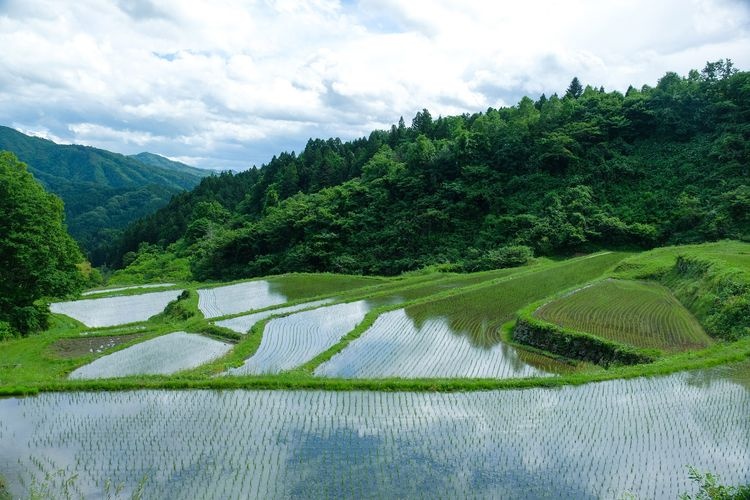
[228, 84]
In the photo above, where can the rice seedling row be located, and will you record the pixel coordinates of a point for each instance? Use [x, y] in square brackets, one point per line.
[113, 311]
[597, 440]
[164, 355]
[443, 284]
[243, 324]
[394, 346]
[644, 315]
[292, 340]
[496, 304]
[123, 288]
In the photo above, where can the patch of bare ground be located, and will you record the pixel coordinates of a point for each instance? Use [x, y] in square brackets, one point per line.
[75, 348]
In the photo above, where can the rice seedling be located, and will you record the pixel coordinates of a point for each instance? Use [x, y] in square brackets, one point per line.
[118, 310]
[644, 315]
[242, 324]
[161, 355]
[591, 441]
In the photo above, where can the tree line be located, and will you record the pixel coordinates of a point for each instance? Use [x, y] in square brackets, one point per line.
[557, 175]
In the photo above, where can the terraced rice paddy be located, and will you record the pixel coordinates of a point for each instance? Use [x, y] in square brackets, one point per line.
[644, 315]
[593, 441]
[122, 288]
[237, 298]
[112, 311]
[295, 339]
[259, 294]
[394, 346]
[459, 336]
[482, 311]
[443, 284]
[242, 324]
[302, 286]
[164, 355]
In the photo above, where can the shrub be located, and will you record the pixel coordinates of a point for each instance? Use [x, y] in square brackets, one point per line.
[508, 256]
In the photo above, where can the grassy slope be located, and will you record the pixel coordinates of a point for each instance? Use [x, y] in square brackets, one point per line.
[29, 365]
[644, 315]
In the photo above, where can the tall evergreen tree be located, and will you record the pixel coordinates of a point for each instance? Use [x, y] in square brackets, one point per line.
[575, 89]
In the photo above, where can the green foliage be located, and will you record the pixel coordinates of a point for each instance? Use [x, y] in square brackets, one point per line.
[178, 310]
[151, 265]
[575, 89]
[497, 258]
[103, 191]
[709, 488]
[4, 494]
[37, 256]
[662, 165]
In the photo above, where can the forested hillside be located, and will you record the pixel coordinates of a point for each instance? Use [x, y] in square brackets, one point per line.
[556, 175]
[102, 191]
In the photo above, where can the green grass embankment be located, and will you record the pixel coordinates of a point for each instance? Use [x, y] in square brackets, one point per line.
[31, 366]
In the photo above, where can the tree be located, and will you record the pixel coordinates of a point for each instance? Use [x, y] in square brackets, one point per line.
[575, 89]
[38, 258]
[422, 123]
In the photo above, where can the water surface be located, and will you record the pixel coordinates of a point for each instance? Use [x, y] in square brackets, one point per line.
[592, 441]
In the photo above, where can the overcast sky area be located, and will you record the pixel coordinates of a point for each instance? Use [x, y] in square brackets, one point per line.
[228, 84]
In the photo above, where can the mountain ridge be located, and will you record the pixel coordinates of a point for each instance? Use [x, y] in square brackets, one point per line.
[103, 191]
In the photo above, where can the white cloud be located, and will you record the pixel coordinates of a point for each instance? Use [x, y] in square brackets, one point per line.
[233, 82]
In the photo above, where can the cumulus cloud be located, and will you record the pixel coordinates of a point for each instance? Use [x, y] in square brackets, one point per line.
[227, 84]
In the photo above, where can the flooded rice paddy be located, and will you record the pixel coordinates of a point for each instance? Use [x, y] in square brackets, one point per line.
[396, 346]
[119, 310]
[163, 355]
[597, 440]
[295, 339]
[242, 324]
[237, 298]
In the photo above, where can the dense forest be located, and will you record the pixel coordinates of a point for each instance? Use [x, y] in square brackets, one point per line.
[103, 191]
[557, 175]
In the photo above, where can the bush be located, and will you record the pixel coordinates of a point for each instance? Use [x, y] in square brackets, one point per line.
[711, 489]
[6, 332]
[509, 256]
[177, 310]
